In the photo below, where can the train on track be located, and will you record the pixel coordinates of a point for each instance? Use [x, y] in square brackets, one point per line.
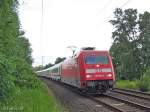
[90, 71]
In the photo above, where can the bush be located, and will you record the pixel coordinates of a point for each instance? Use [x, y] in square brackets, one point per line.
[7, 86]
[15, 72]
[15, 52]
[144, 83]
[126, 84]
[24, 75]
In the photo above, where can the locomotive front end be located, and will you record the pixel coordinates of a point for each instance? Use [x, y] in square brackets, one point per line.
[98, 71]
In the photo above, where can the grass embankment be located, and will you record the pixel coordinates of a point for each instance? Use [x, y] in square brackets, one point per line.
[126, 84]
[32, 100]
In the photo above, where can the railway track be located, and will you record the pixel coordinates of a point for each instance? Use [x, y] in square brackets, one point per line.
[104, 103]
[136, 97]
[133, 93]
[113, 103]
[118, 104]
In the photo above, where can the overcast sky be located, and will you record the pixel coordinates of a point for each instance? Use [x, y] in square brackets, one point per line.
[70, 22]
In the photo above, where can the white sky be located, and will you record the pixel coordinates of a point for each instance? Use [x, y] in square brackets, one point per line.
[70, 22]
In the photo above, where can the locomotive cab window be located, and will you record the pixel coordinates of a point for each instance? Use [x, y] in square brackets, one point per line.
[96, 60]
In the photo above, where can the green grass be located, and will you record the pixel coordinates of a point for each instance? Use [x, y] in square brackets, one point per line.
[32, 100]
[126, 84]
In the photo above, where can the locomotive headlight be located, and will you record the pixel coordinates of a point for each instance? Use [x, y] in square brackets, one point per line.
[109, 75]
[88, 76]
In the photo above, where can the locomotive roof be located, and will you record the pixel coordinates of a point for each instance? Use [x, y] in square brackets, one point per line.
[93, 51]
[88, 51]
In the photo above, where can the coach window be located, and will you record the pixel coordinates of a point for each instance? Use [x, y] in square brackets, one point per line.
[55, 70]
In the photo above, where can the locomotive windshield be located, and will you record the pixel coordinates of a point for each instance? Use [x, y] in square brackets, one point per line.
[96, 60]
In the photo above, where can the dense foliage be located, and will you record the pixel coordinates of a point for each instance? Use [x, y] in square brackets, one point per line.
[40, 67]
[15, 52]
[59, 59]
[144, 83]
[131, 37]
[48, 65]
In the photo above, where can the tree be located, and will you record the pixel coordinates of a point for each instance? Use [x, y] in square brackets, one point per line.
[25, 49]
[15, 52]
[59, 59]
[124, 50]
[9, 32]
[48, 65]
[38, 68]
[144, 40]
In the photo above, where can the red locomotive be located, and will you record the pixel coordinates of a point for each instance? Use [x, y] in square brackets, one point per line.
[89, 71]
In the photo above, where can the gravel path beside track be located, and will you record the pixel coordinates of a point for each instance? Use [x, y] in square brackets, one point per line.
[72, 101]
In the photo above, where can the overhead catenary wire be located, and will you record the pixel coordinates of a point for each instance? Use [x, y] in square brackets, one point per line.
[42, 20]
[123, 5]
[104, 7]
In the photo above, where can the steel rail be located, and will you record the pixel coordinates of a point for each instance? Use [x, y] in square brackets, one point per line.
[130, 103]
[131, 94]
[111, 107]
[133, 91]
